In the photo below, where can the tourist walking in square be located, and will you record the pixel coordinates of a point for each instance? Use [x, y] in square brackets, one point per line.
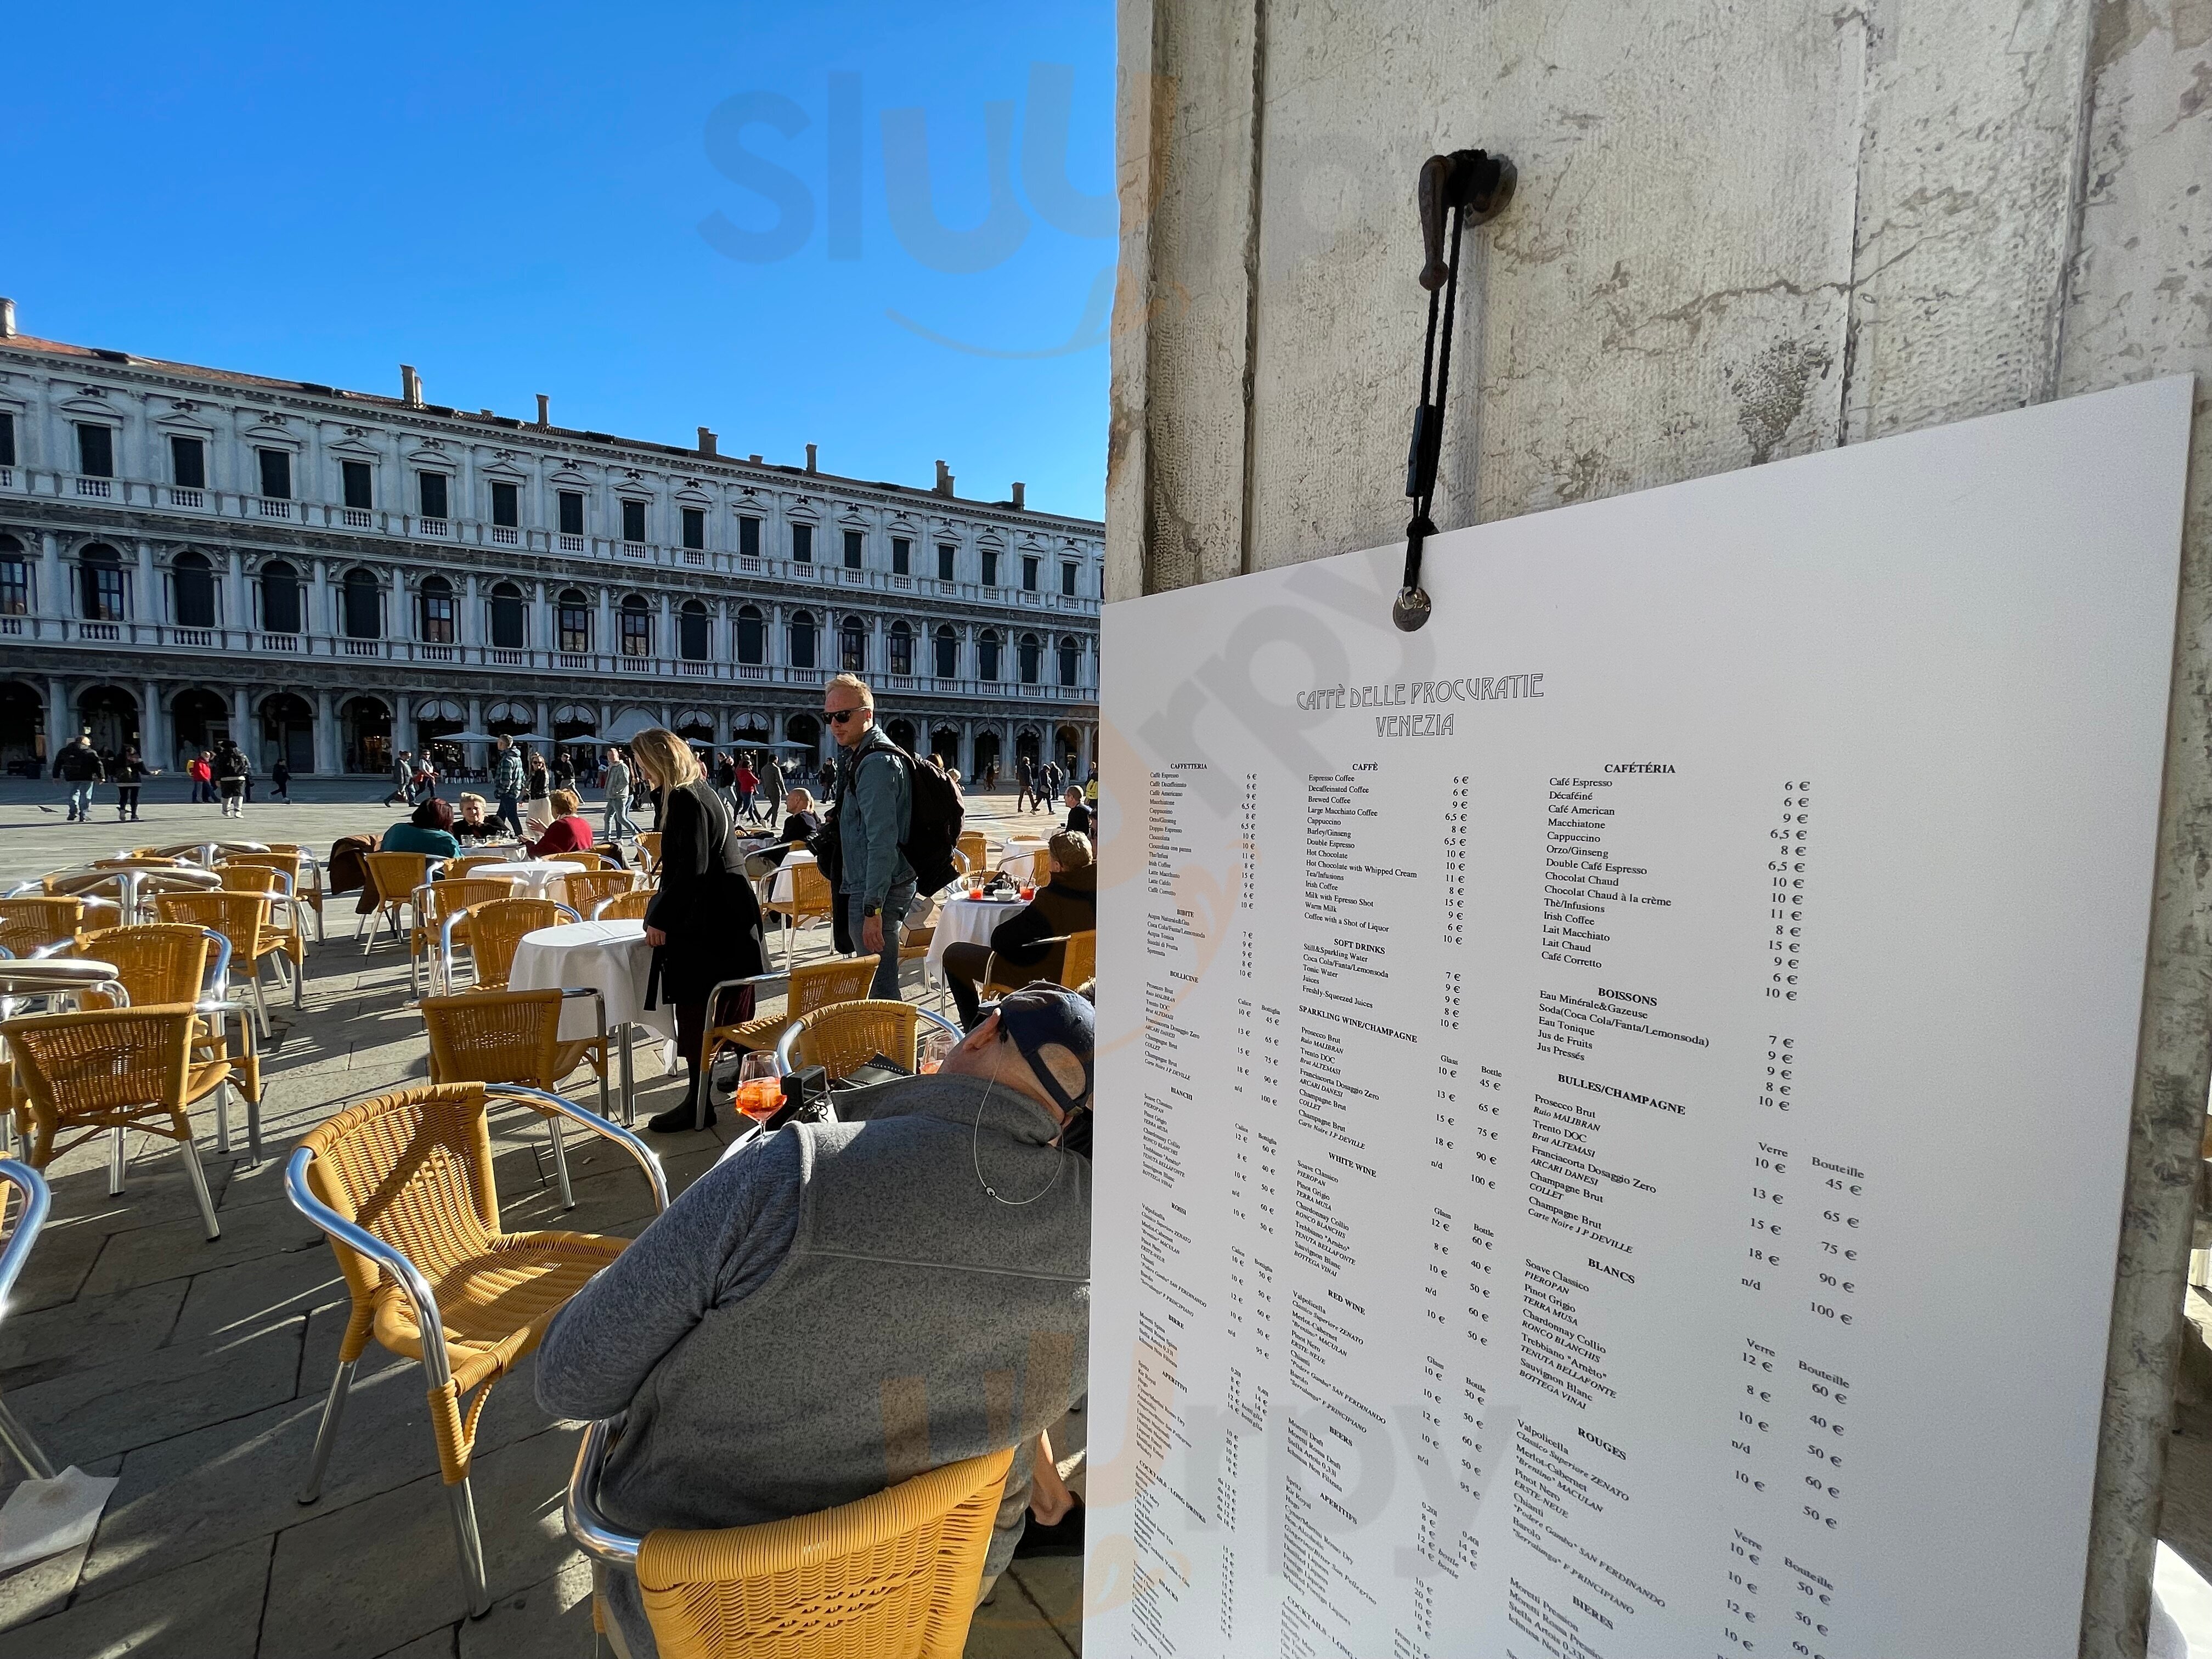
[79, 766]
[129, 773]
[617, 825]
[875, 799]
[231, 771]
[507, 783]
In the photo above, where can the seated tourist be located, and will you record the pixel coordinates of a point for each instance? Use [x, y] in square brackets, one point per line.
[470, 823]
[836, 1308]
[802, 824]
[428, 829]
[1066, 904]
[1079, 812]
[568, 832]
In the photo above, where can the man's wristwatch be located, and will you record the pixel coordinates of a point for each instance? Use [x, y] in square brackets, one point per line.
[872, 909]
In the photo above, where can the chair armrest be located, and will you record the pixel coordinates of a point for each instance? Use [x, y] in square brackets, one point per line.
[579, 1511]
[943, 1024]
[38, 1199]
[599, 1126]
[218, 971]
[358, 1238]
[714, 996]
[600, 1001]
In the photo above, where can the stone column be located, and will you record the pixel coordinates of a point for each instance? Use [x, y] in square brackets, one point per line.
[148, 606]
[319, 619]
[1083, 754]
[54, 596]
[544, 617]
[237, 608]
[603, 637]
[403, 722]
[241, 720]
[665, 646]
[61, 719]
[327, 736]
[154, 742]
[543, 726]
[471, 630]
[476, 751]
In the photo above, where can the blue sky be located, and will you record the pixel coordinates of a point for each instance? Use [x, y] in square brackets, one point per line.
[621, 209]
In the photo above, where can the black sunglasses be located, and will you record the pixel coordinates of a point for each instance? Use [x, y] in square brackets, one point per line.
[839, 716]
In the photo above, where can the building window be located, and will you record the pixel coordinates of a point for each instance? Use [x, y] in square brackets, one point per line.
[1071, 658]
[947, 554]
[506, 505]
[193, 585]
[364, 607]
[636, 626]
[280, 597]
[632, 521]
[802, 640]
[752, 633]
[749, 538]
[572, 513]
[901, 557]
[1029, 574]
[430, 493]
[694, 526]
[188, 463]
[1067, 580]
[853, 646]
[948, 653]
[437, 603]
[990, 567]
[802, 544]
[987, 654]
[852, 550]
[901, 648]
[1030, 656]
[691, 627]
[360, 484]
[95, 450]
[100, 570]
[276, 473]
[507, 624]
[14, 579]
[7, 438]
[574, 622]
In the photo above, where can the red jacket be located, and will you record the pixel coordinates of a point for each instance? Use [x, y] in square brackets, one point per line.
[562, 836]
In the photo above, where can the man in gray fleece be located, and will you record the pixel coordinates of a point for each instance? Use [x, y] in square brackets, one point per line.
[835, 1307]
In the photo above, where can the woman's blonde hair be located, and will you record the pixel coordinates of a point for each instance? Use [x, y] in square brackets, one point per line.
[1070, 850]
[565, 804]
[664, 758]
[467, 797]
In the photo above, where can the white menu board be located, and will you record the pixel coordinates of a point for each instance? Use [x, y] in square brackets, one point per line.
[1614, 1106]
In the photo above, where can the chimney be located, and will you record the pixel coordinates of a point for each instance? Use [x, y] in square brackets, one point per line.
[411, 386]
[754, 460]
[7, 319]
[1019, 502]
[944, 479]
[811, 466]
[545, 412]
[706, 441]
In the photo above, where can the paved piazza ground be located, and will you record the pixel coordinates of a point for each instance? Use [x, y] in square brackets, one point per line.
[194, 1371]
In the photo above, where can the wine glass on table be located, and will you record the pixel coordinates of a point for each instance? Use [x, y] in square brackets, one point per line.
[760, 1085]
[931, 1050]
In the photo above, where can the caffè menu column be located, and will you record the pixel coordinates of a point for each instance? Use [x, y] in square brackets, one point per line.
[1612, 1107]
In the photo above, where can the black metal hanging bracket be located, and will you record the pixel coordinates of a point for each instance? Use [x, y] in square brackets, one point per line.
[1468, 186]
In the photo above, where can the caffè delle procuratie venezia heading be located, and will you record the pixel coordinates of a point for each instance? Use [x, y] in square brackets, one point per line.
[333, 576]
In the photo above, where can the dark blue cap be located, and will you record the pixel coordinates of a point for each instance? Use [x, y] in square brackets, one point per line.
[1042, 1016]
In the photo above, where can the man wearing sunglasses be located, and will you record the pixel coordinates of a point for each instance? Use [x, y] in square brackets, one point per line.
[874, 800]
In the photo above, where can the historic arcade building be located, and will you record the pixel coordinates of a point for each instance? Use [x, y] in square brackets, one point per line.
[330, 576]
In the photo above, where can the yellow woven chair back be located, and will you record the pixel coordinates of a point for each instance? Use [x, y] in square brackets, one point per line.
[1080, 964]
[494, 929]
[974, 848]
[627, 907]
[587, 887]
[810, 894]
[240, 917]
[446, 897]
[250, 878]
[101, 1068]
[846, 1036]
[648, 843]
[582, 860]
[817, 985]
[288, 864]
[495, 1036]
[35, 920]
[397, 875]
[158, 961]
[892, 1577]
[461, 866]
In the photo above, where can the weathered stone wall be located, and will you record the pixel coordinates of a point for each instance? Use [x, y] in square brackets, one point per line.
[1745, 229]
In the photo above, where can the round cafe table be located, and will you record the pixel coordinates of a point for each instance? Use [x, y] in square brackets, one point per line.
[964, 920]
[533, 877]
[611, 957]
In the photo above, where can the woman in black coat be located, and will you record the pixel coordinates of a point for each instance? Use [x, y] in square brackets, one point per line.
[704, 923]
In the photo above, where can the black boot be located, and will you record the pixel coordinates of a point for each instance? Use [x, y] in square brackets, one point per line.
[680, 1119]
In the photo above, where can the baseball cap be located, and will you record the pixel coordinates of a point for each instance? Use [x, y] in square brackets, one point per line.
[1049, 1023]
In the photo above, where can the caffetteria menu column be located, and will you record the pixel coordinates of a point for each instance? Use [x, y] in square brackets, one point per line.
[1612, 1107]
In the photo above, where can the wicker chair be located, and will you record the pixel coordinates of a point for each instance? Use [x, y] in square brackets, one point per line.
[648, 850]
[394, 877]
[434, 901]
[894, 1575]
[162, 964]
[460, 866]
[817, 985]
[31, 920]
[582, 860]
[811, 900]
[1030, 867]
[846, 1036]
[303, 877]
[282, 925]
[116, 1068]
[241, 918]
[493, 931]
[31, 1199]
[515, 1037]
[624, 907]
[588, 890]
[1069, 960]
[973, 850]
[402, 1187]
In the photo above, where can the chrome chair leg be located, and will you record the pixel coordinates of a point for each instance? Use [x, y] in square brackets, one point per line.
[260, 1000]
[22, 1448]
[197, 1173]
[327, 1435]
[560, 1163]
[115, 1155]
[471, 1547]
[222, 1118]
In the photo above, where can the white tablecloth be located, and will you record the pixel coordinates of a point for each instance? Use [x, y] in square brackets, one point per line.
[779, 892]
[611, 957]
[530, 877]
[968, 920]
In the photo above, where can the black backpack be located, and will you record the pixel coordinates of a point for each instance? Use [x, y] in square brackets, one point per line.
[933, 827]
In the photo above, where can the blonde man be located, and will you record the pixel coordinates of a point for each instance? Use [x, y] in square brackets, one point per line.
[875, 803]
